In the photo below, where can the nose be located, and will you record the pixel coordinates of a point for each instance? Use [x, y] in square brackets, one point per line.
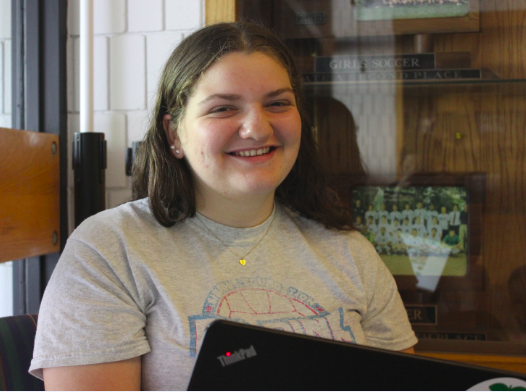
[256, 125]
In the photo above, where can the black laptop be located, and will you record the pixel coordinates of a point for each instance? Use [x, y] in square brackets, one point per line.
[236, 356]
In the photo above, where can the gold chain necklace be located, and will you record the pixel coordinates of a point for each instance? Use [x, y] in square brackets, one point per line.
[242, 260]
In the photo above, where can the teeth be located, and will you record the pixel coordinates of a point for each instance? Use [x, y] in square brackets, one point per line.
[252, 153]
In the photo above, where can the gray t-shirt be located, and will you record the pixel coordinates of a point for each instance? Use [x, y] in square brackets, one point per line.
[126, 286]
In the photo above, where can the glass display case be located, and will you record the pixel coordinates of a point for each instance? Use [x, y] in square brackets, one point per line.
[419, 107]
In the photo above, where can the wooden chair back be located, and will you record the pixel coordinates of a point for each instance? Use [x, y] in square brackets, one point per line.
[29, 194]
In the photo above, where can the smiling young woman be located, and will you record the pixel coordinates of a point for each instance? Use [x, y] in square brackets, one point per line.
[240, 136]
[231, 218]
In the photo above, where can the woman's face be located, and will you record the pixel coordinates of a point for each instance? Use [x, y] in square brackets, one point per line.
[241, 130]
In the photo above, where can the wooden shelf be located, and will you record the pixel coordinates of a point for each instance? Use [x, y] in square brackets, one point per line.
[513, 85]
[510, 363]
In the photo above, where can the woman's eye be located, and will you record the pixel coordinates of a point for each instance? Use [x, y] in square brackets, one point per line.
[221, 109]
[279, 105]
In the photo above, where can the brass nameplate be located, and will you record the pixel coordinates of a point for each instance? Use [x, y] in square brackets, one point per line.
[451, 336]
[422, 314]
[310, 18]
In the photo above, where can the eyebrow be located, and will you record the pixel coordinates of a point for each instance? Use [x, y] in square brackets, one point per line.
[227, 97]
[280, 91]
[235, 97]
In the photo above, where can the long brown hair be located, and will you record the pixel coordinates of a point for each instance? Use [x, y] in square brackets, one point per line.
[167, 181]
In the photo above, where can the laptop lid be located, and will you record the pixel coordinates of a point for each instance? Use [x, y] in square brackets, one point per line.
[237, 356]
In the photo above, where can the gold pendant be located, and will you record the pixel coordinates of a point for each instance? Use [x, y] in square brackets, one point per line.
[242, 262]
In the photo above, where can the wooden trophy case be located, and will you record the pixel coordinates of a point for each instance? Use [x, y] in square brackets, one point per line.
[453, 115]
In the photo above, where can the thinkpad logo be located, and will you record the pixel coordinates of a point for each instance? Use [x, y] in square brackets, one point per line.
[239, 355]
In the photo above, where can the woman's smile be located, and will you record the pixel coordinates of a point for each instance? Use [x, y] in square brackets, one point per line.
[252, 153]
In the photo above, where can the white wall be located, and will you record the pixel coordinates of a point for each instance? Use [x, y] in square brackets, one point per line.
[6, 269]
[133, 39]
[5, 63]
[6, 289]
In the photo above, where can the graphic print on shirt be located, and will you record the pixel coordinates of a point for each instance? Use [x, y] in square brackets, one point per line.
[265, 302]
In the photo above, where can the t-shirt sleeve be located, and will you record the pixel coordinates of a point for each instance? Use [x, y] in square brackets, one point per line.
[385, 322]
[91, 311]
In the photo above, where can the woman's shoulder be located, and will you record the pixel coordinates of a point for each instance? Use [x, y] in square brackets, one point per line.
[350, 244]
[315, 229]
[129, 218]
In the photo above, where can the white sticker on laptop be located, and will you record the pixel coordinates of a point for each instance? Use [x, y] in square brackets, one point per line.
[501, 384]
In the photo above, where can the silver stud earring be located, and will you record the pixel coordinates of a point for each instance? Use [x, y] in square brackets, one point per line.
[177, 151]
[172, 147]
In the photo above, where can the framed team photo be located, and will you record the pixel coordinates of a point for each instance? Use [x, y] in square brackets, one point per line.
[426, 229]
[358, 18]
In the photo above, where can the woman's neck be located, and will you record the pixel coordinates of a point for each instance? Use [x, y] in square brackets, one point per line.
[248, 212]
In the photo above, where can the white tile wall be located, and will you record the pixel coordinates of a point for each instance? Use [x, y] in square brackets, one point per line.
[158, 50]
[109, 16]
[183, 14]
[7, 76]
[2, 92]
[5, 18]
[6, 269]
[114, 127]
[6, 289]
[133, 39]
[137, 126]
[145, 15]
[127, 72]
[100, 73]
[5, 120]
[5, 63]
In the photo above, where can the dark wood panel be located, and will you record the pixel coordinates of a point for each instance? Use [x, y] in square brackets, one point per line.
[481, 133]
[482, 129]
[514, 364]
[29, 189]
[499, 47]
[445, 129]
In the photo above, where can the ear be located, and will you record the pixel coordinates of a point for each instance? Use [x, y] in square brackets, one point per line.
[173, 138]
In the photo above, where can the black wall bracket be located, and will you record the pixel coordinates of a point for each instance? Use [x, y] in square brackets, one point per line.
[89, 165]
